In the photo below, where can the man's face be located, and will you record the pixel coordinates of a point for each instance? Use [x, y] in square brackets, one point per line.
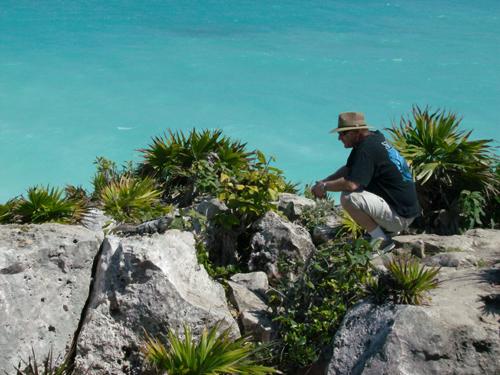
[348, 138]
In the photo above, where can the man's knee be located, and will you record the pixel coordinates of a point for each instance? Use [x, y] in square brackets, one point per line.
[349, 199]
[345, 199]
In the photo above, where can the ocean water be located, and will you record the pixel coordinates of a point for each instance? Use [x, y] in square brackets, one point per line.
[79, 79]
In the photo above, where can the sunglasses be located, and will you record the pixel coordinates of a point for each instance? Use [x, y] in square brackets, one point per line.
[341, 134]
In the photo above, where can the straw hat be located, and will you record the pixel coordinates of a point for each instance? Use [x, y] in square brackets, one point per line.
[351, 121]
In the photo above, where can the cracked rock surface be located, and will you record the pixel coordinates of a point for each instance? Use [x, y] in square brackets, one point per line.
[457, 333]
[147, 283]
[45, 273]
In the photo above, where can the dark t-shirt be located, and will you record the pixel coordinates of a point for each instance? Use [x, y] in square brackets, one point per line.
[380, 169]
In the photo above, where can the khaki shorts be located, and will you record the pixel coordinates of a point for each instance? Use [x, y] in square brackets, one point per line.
[378, 209]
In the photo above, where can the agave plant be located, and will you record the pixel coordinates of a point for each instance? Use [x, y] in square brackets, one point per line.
[108, 172]
[132, 200]
[213, 354]
[409, 281]
[178, 151]
[184, 163]
[46, 204]
[444, 159]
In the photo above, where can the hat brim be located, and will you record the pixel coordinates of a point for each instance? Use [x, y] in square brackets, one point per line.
[337, 130]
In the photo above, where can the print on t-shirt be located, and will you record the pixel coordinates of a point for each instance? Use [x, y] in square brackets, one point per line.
[399, 161]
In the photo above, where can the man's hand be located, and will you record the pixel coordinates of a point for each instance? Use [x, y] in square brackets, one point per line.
[319, 189]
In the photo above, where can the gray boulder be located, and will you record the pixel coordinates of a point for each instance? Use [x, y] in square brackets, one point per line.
[210, 207]
[433, 243]
[146, 283]
[276, 239]
[457, 333]
[293, 205]
[328, 231]
[255, 281]
[253, 312]
[473, 246]
[45, 273]
[452, 259]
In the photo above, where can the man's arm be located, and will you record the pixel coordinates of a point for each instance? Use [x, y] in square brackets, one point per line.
[334, 182]
[342, 172]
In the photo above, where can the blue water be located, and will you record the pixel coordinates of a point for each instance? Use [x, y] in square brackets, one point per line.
[80, 79]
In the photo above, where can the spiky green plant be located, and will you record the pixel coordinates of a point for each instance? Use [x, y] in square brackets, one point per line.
[349, 226]
[187, 165]
[108, 172]
[48, 204]
[132, 200]
[47, 367]
[213, 354]
[409, 280]
[445, 160]
[172, 153]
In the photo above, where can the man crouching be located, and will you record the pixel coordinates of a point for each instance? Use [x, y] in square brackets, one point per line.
[377, 187]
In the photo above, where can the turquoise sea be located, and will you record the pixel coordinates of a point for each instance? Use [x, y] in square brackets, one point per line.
[80, 79]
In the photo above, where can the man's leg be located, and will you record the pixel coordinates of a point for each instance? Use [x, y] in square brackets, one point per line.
[373, 213]
[358, 215]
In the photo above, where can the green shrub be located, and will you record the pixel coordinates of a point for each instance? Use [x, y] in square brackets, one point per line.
[250, 193]
[107, 173]
[445, 160]
[311, 217]
[213, 354]
[132, 200]
[471, 205]
[7, 211]
[309, 311]
[406, 281]
[46, 204]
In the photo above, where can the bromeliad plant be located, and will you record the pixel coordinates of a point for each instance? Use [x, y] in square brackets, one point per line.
[406, 281]
[107, 173]
[43, 204]
[213, 354]
[187, 165]
[132, 200]
[444, 159]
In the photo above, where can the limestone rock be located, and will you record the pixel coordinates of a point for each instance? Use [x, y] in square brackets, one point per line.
[253, 312]
[45, 274]
[276, 238]
[292, 205]
[210, 207]
[328, 231]
[456, 334]
[146, 283]
[473, 246]
[255, 281]
[433, 243]
[452, 259]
